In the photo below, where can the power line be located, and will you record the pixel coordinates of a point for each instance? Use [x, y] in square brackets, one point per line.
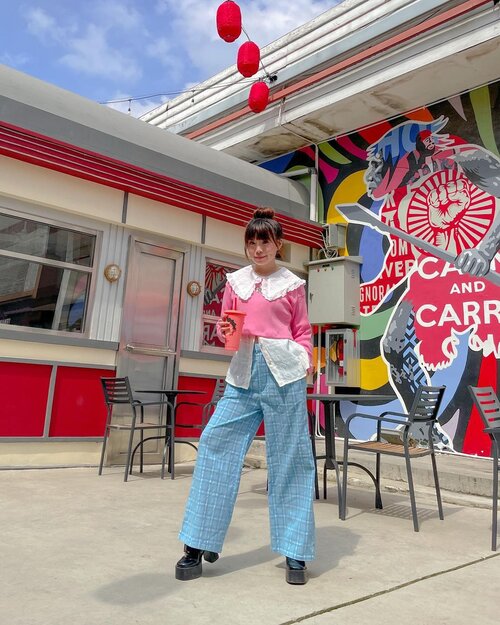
[193, 90]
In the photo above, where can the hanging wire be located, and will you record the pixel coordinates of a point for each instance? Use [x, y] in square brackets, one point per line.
[170, 93]
[271, 77]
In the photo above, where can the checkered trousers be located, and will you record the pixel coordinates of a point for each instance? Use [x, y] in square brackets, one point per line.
[222, 449]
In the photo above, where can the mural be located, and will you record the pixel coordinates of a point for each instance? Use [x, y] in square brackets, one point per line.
[215, 280]
[421, 197]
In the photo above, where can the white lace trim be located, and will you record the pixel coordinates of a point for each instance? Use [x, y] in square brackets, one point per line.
[245, 281]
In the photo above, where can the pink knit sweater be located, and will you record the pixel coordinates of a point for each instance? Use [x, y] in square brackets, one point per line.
[282, 318]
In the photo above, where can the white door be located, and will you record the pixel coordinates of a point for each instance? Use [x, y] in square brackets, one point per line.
[149, 343]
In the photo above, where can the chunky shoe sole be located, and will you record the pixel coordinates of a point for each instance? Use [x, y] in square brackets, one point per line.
[296, 576]
[187, 573]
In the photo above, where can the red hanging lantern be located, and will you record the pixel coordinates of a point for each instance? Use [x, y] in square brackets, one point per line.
[248, 59]
[229, 21]
[258, 97]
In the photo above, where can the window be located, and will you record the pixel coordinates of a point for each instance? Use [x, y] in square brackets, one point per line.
[45, 274]
[215, 281]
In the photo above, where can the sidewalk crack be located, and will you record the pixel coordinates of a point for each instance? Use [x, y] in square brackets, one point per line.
[386, 591]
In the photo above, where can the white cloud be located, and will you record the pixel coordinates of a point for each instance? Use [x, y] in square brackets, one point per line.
[267, 21]
[92, 54]
[45, 27]
[165, 51]
[13, 59]
[116, 14]
[87, 47]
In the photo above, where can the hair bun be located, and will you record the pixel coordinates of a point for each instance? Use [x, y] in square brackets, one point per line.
[263, 213]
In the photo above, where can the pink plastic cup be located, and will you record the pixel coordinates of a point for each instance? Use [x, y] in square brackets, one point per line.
[235, 318]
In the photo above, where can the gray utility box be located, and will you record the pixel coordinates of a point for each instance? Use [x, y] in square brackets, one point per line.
[333, 290]
[342, 357]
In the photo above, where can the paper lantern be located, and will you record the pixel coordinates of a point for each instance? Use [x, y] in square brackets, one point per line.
[248, 59]
[258, 96]
[229, 21]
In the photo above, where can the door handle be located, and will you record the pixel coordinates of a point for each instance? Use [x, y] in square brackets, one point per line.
[150, 351]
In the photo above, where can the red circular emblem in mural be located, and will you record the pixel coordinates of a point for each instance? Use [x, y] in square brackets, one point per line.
[450, 212]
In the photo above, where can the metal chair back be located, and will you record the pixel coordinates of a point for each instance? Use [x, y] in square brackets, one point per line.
[117, 391]
[487, 404]
[426, 404]
[219, 388]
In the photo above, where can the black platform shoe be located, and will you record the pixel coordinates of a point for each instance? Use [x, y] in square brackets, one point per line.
[189, 566]
[296, 571]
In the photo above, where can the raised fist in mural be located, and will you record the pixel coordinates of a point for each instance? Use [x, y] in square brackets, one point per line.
[448, 202]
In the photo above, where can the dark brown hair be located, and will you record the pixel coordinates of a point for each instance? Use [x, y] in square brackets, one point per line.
[263, 226]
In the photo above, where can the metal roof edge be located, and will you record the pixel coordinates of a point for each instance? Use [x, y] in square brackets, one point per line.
[374, 19]
[39, 107]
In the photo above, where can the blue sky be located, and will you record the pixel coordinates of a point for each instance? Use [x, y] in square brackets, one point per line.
[111, 49]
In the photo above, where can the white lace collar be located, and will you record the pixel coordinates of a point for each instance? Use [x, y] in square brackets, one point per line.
[245, 281]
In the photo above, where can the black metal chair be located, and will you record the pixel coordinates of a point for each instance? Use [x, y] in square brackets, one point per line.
[424, 412]
[489, 408]
[206, 410]
[117, 391]
[312, 435]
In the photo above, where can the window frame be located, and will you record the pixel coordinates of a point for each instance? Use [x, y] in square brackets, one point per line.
[91, 271]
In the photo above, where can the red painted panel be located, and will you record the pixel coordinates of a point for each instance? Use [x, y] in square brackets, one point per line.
[78, 407]
[192, 414]
[475, 440]
[25, 388]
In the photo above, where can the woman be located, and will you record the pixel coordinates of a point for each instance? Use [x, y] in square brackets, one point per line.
[266, 380]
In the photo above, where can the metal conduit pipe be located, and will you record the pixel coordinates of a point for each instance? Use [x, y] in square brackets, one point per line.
[305, 171]
[313, 195]
[312, 171]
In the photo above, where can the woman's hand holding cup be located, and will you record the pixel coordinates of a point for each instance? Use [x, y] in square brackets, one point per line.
[225, 327]
[231, 327]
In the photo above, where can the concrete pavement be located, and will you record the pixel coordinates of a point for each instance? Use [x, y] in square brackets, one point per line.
[78, 549]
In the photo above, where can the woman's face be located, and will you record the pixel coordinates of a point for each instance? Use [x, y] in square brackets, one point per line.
[262, 253]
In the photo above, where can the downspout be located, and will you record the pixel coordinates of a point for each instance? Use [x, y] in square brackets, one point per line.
[313, 194]
[313, 212]
[311, 171]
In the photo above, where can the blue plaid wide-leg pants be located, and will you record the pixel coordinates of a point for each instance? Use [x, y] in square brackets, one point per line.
[222, 449]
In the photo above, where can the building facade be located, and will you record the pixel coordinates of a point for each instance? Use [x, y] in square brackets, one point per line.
[114, 241]
[390, 113]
